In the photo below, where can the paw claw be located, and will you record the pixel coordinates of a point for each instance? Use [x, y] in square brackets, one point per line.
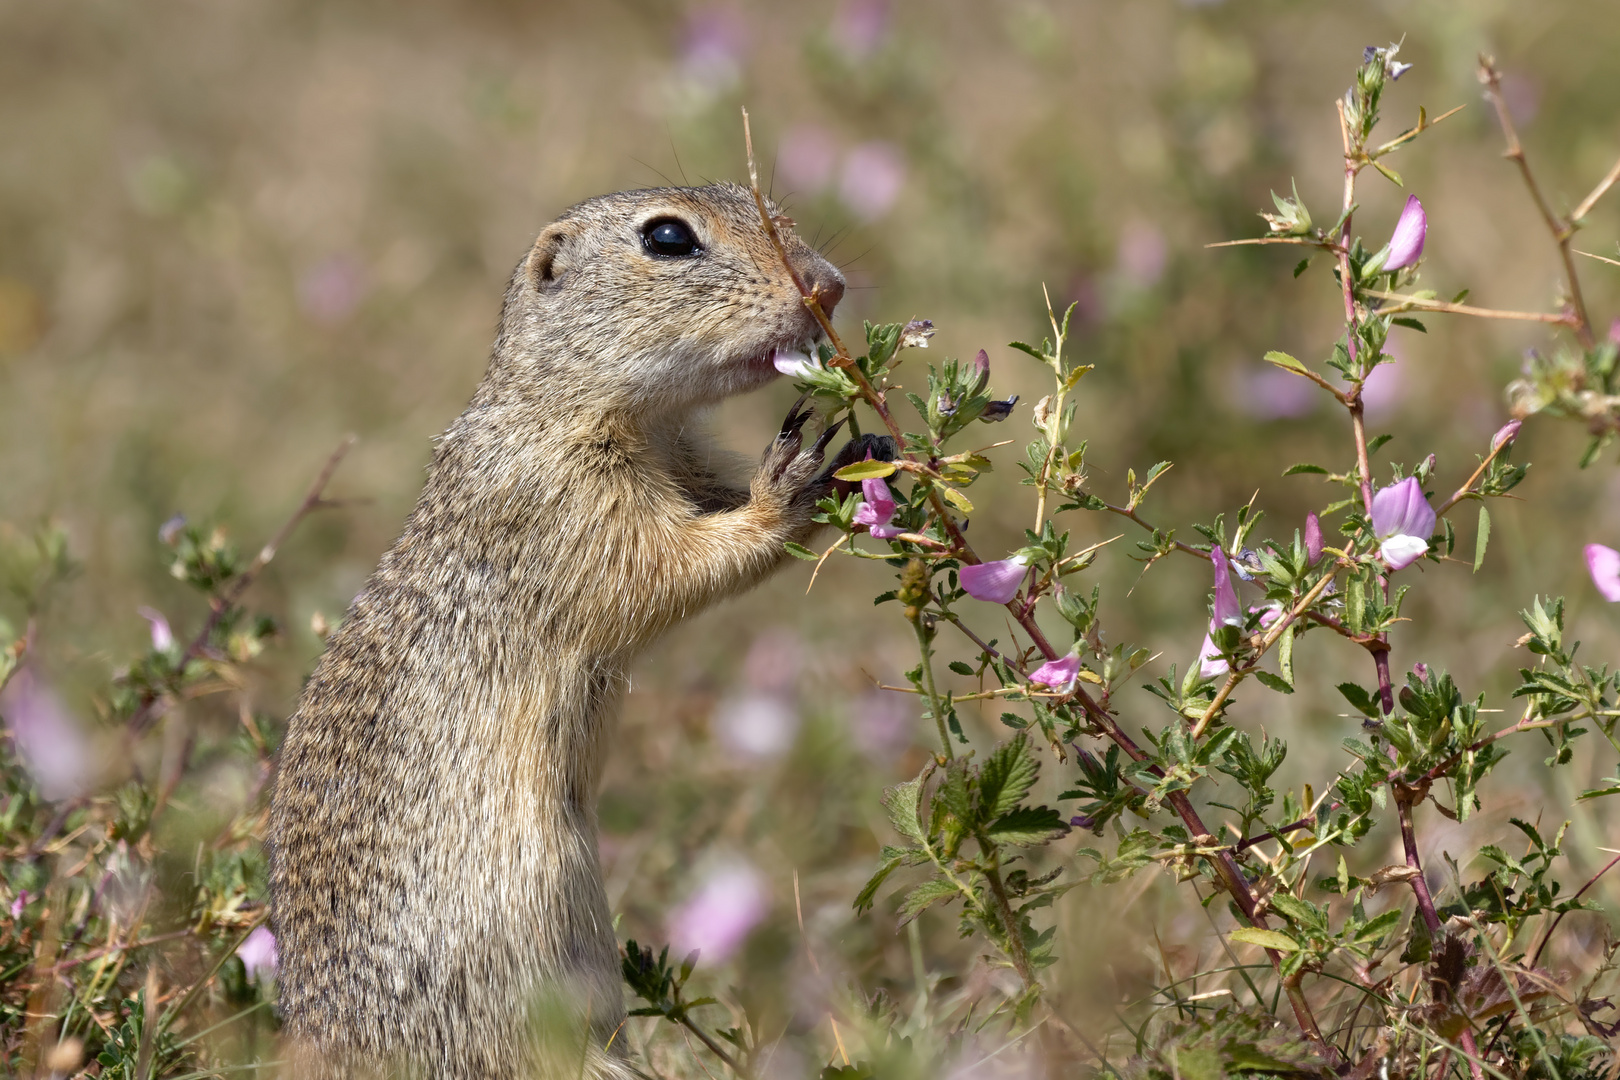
[820, 445]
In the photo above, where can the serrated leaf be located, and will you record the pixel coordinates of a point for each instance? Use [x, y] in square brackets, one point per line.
[1378, 927]
[1266, 939]
[1305, 467]
[901, 801]
[799, 551]
[956, 499]
[875, 882]
[1006, 777]
[960, 668]
[1027, 826]
[866, 470]
[1410, 324]
[929, 892]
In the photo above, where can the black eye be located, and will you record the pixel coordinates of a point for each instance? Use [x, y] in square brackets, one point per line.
[671, 239]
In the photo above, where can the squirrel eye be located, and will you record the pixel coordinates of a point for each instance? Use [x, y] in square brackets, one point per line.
[671, 239]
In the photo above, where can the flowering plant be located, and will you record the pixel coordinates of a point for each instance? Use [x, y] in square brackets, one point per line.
[1457, 979]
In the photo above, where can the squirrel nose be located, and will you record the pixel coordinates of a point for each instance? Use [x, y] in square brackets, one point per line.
[824, 281]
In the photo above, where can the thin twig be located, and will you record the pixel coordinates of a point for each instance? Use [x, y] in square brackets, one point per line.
[1442, 307]
[312, 501]
[1562, 229]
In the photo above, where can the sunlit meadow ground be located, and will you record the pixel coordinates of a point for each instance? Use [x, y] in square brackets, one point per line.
[230, 234]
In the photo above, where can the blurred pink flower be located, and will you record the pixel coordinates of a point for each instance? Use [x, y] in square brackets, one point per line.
[21, 902]
[46, 737]
[1603, 563]
[774, 660]
[1406, 245]
[1522, 95]
[162, 636]
[757, 725]
[1269, 393]
[717, 918]
[880, 722]
[330, 290]
[1384, 388]
[258, 953]
[993, 582]
[877, 509]
[860, 26]
[1403, 521]
[806, 157]
[1313, 538]
[1506, 434]
[1057, 675]
[1143, 254]
[713, 46]
[1614, 330]
[1420, 669]
[873, 174]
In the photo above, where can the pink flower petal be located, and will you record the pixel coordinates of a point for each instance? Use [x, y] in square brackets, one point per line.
[1227, 608]
[258, 953]
[1604, 565]
[1401, 551]
[1406, 245]
[1057, 675]
[1313, 538]
[796, 364]
[1402, 510]
[1506, 434]
[993, 582]
[1210, 661]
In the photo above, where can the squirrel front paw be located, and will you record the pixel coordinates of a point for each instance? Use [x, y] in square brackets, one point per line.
[791, 473]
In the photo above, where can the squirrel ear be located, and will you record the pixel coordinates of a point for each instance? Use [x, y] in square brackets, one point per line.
[548, 262]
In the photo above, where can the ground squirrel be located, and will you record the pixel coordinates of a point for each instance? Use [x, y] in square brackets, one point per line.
[433, 831]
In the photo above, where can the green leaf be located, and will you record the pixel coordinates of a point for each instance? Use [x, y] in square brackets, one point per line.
[1268, 939]
[864, 900]
[1483, 539]
[866, 470]
[1294, 470]
[1283, 360]
[1410, 323]
[1027, 826]
[960, 668]
[929, 892]
[901, 801]
[1378, 927]
[1006, 777]
[1274, 682]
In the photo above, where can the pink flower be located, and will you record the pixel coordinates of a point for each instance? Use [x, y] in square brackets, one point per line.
[1420, 669]
[860, 26]
[258, 953]
[1604, 565]
[1269, 614]
[718, 917]
[1506, 434]
[1210, 661]
[872, 177]
[21, 902]
[1058, 675]
[1406, 245]
[1227, 608]
[758, 725]
[331, 290]
[993, 582]
[162, 636]
[1403, 521]
[1143, 254]
[46, 737]
[797, 364]
[806, 157]
[877, 508]
[1313, 538]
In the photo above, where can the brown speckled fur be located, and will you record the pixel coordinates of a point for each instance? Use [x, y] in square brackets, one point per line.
[433, 830]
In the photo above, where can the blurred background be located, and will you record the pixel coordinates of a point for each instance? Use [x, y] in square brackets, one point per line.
[231, 233]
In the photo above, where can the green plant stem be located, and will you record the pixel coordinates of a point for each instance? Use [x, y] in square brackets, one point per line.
[1009, 922]
[923, 638]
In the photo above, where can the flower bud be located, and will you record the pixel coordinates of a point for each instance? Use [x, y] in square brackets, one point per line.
[1313, 539]
[1506, 434]
[1406, 245]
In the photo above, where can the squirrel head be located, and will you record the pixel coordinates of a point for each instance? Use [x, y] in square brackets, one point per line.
[656, 302]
